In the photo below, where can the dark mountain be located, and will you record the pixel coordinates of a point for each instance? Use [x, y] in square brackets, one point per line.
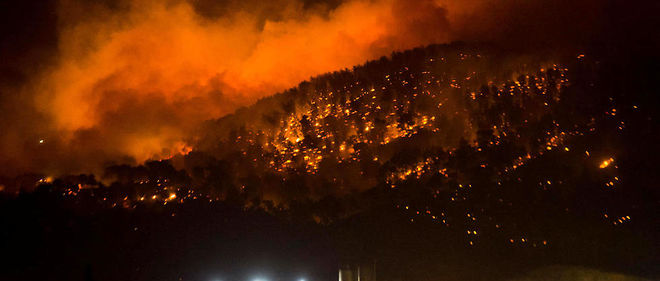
[451, 125]
[480, 154]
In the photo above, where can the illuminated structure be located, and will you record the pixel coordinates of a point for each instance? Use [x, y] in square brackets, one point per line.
[357, 272]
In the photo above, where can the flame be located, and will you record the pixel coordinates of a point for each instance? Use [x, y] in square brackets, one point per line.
[606, 163]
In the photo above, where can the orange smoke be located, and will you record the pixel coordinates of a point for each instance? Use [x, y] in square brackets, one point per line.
[130, 80]
[136, 82]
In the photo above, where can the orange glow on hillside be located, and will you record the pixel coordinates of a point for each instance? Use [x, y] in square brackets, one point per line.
[142, 80]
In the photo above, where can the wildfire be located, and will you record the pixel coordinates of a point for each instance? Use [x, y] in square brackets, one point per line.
[606, 163]
[140, 81]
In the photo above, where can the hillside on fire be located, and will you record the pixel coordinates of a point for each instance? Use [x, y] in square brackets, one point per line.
[460, 149]
[325, 140]
[458, 122]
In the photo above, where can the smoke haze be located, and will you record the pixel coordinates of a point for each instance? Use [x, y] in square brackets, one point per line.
[128, 81]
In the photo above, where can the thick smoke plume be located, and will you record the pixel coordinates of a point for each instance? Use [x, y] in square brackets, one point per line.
[129, 81]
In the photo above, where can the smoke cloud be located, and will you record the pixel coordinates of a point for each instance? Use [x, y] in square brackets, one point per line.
[131, 81]
[128, 81]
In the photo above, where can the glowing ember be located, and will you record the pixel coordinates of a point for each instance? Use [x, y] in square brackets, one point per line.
[606, 163]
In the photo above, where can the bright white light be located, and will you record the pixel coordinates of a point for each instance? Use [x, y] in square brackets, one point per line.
[302, 279]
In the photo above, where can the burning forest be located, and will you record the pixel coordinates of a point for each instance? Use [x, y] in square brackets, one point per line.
[414, 151]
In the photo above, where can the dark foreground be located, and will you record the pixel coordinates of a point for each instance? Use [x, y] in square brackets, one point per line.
[46, 239]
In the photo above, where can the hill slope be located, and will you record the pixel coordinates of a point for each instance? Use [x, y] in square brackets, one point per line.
[438, 159]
